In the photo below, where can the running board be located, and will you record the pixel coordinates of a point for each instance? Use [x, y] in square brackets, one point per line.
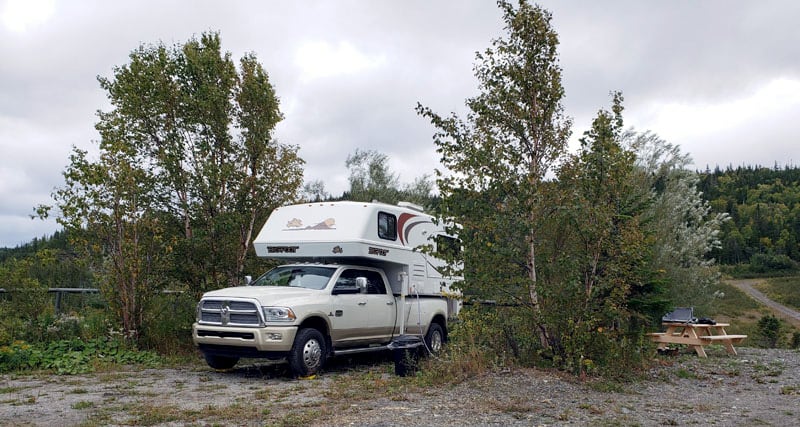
[360, 350]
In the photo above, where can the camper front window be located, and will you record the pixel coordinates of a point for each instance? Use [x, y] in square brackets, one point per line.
[387, 226]
[309, 277]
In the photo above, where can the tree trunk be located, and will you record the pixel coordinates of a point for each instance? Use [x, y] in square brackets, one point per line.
[534, 292]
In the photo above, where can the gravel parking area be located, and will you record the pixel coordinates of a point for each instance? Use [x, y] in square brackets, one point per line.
[757, 387]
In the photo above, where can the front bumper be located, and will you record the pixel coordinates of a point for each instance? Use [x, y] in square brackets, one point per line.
[267, 339]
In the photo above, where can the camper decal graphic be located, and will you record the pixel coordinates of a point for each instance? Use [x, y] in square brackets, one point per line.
[406, 223]
[297, 224]
[377, 251]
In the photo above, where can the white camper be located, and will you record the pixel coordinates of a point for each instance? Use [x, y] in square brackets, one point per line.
[352, 266]
[386, 236]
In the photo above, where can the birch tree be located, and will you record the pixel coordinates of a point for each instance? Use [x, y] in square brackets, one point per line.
[496, 157]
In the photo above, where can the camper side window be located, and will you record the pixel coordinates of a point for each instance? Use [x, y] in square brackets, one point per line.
[387, 226]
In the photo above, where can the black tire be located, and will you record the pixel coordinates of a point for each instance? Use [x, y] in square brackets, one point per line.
[220, 362]
[435, 338]
[308, 353]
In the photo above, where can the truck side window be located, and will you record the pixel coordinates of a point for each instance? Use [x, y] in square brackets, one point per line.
[387, 226]
[375, 283]
[346, 281]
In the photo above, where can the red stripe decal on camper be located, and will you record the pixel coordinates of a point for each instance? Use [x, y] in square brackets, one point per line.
[401, 223]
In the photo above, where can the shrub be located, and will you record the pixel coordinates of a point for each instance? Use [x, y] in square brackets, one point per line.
[769, 329]
[67, 357]
[167, 327]
[762, 263]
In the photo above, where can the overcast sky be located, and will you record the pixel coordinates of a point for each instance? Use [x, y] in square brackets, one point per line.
[719, 78]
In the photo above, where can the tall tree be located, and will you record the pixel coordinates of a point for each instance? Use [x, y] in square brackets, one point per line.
[596, 249]
[371, 178]
[683, 226]
[496, 157]
[188, 167]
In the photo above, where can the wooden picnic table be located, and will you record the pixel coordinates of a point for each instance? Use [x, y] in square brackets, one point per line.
[696, 336]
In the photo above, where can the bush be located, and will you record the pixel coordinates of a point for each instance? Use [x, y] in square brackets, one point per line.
[68, 357]
[762, 263]
[769, 330]
[167, 327]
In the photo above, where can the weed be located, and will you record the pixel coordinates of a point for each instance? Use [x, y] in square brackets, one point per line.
[4, 390]
[79, 391]
[685, 374]
[592, 409]
[263, 394]
[515, 405]
[298, 418]
[84, 404]
[790, 390]
[607, 386]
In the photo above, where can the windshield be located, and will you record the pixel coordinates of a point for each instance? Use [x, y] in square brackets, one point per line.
[298, 276]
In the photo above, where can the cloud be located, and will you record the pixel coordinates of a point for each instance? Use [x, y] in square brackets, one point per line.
[751, 129]
[18, 16]
[321, 59]
[718, 77]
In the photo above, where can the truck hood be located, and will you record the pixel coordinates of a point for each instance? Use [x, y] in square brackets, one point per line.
[267, 295]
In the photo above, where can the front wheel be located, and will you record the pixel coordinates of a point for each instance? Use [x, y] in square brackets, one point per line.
[308, 352]
[220, 362]
[434, 339]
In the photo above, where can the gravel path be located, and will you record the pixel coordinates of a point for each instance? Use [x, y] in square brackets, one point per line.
[782, 311]
[757, 387]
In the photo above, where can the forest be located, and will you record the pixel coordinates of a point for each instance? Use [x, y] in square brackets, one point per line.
[761, 236]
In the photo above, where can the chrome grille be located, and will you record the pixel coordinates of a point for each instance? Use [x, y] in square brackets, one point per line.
[224, 312]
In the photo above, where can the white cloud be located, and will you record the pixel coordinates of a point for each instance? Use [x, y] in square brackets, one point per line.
[19, 16]
[679, 120]
[319, 59]
[749, 129]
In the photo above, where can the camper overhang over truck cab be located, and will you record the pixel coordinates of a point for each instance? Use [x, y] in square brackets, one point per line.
[355, 278]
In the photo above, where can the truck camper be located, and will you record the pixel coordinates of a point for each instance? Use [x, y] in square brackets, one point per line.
[356, 278]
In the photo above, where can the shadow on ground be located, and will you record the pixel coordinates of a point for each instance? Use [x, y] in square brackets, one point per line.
[269, 369]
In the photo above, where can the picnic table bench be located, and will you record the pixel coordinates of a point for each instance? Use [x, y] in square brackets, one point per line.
[696, 336]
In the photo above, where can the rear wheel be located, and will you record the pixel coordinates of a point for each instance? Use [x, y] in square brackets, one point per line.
[220, 362]
[308, 353]
[434, 339]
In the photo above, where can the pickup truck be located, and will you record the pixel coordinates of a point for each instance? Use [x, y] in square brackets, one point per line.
[308, 312]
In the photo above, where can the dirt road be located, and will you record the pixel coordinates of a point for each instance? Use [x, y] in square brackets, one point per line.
[780, 310]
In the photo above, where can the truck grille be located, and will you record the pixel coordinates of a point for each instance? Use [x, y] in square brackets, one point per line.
[229, 313]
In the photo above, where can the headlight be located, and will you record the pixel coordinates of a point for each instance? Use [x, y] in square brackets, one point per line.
[278, 314]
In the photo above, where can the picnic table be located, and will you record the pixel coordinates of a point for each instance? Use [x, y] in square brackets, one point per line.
[696, 336]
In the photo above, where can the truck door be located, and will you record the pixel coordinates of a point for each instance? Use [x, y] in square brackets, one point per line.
[365, 317]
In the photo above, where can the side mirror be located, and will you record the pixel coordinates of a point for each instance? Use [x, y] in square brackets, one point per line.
[248, 280]
[361, 284]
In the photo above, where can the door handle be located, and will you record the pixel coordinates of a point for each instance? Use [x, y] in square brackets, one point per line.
[389, 302]
[362, 303]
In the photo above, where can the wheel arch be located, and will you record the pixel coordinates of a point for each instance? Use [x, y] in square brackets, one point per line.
[321, 324]
[442, 321]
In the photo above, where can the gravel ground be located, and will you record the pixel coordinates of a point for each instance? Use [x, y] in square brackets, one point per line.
[757, 387]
